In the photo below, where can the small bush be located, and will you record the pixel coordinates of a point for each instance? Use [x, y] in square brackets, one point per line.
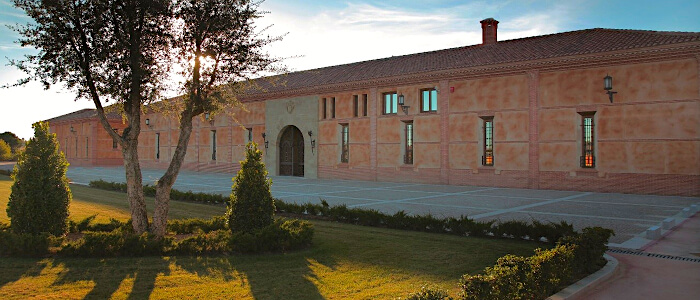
[429, 293]
[197, 225]
[590, 247]
[24, 244]
[117, 243]
[251, 206]
[213, 242]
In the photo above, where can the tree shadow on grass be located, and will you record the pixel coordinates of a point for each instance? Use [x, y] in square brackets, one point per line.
[12, 269]
[108, 274]
[267, 276]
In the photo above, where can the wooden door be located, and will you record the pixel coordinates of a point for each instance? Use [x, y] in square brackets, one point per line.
[292, 152]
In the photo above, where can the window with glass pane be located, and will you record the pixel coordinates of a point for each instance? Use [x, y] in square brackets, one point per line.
[429, 100]
[588, 153]
[324, 108]
[213, 145]
[408, 157]
[364, 105]
[391, 101]
[333, 108]
[355, 105]
[487, 158]
[345, 144]
[157, 145]
[250, 134]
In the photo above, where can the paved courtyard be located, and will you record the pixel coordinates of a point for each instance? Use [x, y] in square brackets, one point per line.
[629, 215]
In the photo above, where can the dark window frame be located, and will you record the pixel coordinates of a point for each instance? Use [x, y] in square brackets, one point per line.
[333, 108]
[391, 102]
[250, 134]
[157, 145]
[408, 143]
[356, 105]
[487, 158]
[364, 105]
[432, 102]
[344, 143]
[324, 109]
[587, 159]
[213, 145]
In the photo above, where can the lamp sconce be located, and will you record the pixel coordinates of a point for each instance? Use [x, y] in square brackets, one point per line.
[313, 142]
[148, 123]
[208, 117]
[72, 129]
[265, 140]
[608, 87]
[402, 104]
[437, 89]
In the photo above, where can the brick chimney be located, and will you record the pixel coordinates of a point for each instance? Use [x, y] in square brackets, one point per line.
[489, 30]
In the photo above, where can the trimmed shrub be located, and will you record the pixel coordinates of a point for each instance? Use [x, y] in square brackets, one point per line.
[590, 247]
[86, 225]
[117, 243]
[40, 194]
[251, 205]
[197, 225]
[24, 244]
[429, 293]
[213, 242]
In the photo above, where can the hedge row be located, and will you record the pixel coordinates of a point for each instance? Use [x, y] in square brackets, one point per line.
[533, 230]
[181, 226]
[24, 244]
[150, 191]
[459, 226]
[282, 235]
[541, 275]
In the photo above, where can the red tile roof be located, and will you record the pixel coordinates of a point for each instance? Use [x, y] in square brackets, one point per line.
[83, 114]
[564, 44]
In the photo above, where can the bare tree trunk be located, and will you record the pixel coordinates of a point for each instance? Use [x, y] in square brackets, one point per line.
[165, 183]
[134, 187]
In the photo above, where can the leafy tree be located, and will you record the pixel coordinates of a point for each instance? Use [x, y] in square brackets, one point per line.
[104, 50]
[121, 51]
[5, 151]
[40, 194]
[251, 205]
[219, 51]
[13, 140]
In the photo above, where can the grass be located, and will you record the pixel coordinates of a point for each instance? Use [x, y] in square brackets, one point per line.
[345, 261]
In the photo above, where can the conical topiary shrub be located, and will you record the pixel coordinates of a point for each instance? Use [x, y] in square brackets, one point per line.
[40, 194]
[251, 205]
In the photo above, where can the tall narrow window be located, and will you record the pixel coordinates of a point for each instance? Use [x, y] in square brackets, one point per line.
[250, 134]
[487, 158]
[355, 105]
[588, 141]
[364, 105]
[390, 103]
[333, 108]
[76, 147]
[87, 145]
[408, 157]
[345, 144]
[114, 142]
[213, 145]
[324, 108]
[157, 145]
[65, 146]
[429, 100]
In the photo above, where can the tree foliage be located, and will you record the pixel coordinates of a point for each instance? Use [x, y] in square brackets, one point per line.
[5, 151]
[251, 205]
[12, 140]
[40, 194]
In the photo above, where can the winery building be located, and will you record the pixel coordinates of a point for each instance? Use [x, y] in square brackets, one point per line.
[600, 110]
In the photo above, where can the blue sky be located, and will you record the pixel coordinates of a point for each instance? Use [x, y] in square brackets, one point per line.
[327, 32]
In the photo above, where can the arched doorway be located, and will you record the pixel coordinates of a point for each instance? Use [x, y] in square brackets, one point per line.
[292, 152]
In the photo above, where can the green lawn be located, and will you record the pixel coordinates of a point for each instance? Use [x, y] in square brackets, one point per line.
[344, 262]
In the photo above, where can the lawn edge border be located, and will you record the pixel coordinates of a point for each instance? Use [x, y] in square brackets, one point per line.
[577, 289]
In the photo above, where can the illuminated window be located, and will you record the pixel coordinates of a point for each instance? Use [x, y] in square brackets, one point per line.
[391, 101]
[408, 156]
[345, 143]
[429, 100]
[588, 140]
[487, 158]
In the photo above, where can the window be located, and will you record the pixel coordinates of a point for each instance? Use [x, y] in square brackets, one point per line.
[250, 134]
[390, 103]
[324, 108]
[364, 105]
[333, 108]
[487, 158]
[87, 145]
[213, 145]
[429, 100]
[355, 105]
[588, 141]
[157, 145]
[345, 143]
[408, 157]
[76, 147]
[65, 146]
[114, 142]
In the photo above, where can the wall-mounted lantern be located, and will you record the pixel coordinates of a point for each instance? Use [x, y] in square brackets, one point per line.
[72, 129]
[608, 87]
[208, 117]
[313, 142]
[265, 140]
[148, 122]
[402, 104]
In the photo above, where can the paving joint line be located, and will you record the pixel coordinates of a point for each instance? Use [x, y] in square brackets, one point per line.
[519, 208]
